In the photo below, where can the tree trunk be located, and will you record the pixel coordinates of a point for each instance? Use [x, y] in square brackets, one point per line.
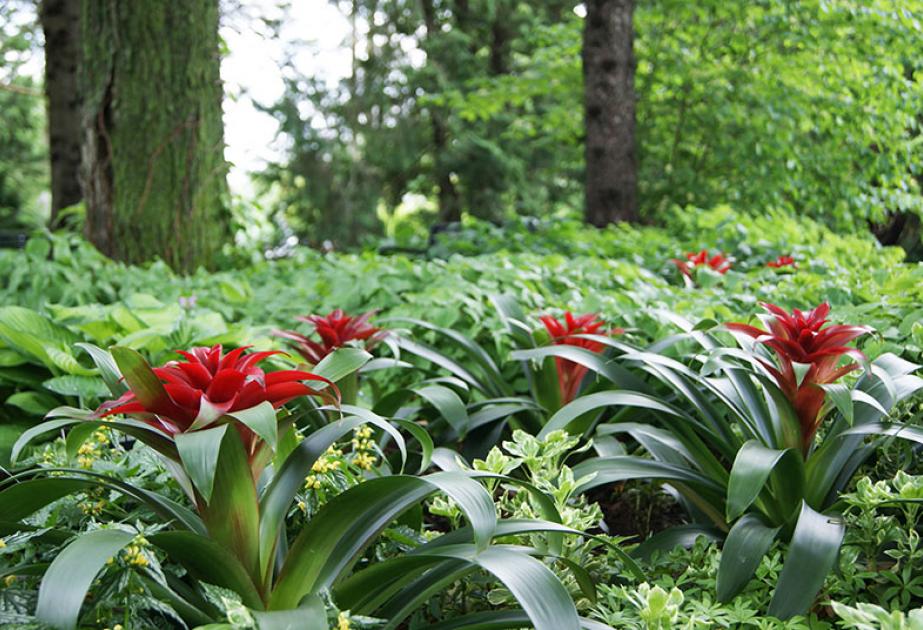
[449, 200]
[153, 151]
[61, 25]
[609, 99]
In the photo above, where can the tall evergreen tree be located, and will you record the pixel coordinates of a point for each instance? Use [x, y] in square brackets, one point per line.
[154, 168]
[609, 109]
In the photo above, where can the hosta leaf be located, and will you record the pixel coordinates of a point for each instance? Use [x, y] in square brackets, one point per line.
[86, 387]
[70, 574]
[67, 362]
[33, 403]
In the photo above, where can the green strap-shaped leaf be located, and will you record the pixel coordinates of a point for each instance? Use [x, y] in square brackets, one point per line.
[310, 615]
[332, 541]
[591, 360]
[625, 467]
[578, 407]
[811, 556]
[744, 548]
[262, 420]
[341, 362]
[232, 515]
[485, 362]
[448, 404]
[71, 573]
[535, 587]
[140, 378]
[106, 366]
[210, 562]
[502, 620]
[281, 491]
[751, 471]
[440, 360]
[678, 536]
[20, 499]
[424, 439]
[199, 450]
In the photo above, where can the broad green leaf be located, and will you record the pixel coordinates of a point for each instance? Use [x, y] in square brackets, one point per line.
[85, 387]
[140, 378]
[448, 404]
[279, 494]
[580, 406]
[744, 548]
[232, 515]
[71, 573]
[32, 403]
[535, 587]
[751, 471]
[677, 536]
[199, 450]
[811, 556]
[839, 393]
[311, 614]
[210, 562]
[262, 420]
[341, 362]
[108, 370]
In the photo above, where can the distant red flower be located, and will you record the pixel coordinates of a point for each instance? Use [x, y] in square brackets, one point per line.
[209, 384]
[334, 330]
[802, 338]
[571, 374]
[782, 261]
[718, 262]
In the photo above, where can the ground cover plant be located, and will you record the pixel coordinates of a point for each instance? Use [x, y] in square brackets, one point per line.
[452, 465]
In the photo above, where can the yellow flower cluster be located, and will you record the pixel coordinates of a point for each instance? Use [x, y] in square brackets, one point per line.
[117, 626]
[343, 621]
[327, 463]
[9, 580]
[134, 556]
[90, 450]
[93, 508]
[2, 544]
[363, 448]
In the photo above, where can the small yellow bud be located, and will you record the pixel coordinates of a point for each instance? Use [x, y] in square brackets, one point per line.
[9, 580]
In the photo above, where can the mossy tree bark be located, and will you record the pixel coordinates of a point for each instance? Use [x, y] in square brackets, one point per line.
[609, 100]
[153, 151]
[61, 26]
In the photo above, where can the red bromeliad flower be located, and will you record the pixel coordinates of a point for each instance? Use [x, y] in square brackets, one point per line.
[802, 338]
[335, 330]
[782, 261]
[571, 374]
[197, 392]
[718, 262]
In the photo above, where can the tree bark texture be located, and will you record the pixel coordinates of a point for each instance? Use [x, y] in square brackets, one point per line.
[61, 25]
[153, 150]
[609, 99]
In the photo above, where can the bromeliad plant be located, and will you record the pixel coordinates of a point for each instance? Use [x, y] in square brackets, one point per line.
[336, 330]
[759, 441]
[218, 420]
[480, 395]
